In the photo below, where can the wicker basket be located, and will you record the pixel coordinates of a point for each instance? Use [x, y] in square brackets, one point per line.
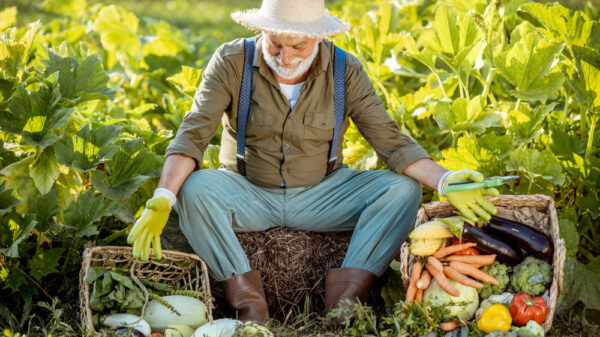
[533, 210]
[184, 271]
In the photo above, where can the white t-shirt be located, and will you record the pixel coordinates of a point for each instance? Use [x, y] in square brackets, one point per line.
[291, 92]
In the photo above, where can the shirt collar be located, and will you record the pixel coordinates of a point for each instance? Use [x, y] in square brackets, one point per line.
[320, 63]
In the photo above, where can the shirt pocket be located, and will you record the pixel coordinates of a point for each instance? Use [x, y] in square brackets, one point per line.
[318, 129]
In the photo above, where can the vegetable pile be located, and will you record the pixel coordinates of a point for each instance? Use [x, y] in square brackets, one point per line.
[117, 302]
[481, 276]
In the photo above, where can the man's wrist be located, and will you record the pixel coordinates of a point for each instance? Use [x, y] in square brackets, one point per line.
[165, 192]
[442, 183]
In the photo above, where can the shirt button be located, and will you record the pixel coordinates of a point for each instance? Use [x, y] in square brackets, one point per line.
[285, 146]
[253, 118]
[283, 171]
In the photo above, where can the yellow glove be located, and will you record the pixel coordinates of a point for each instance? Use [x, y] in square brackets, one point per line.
[471, 201]
[148, 227]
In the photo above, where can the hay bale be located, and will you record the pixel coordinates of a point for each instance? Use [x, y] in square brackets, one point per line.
[293, 265]
[292, 262]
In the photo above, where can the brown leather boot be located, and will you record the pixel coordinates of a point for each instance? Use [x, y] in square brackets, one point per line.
[245, 293]
[347, 283]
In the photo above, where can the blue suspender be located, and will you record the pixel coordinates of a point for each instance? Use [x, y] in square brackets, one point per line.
[244, 105]
[339, 88]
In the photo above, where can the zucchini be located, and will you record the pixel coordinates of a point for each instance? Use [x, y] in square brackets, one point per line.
[533, 241]
[491, 245]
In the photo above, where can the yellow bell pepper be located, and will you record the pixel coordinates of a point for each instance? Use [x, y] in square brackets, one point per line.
[494, 317]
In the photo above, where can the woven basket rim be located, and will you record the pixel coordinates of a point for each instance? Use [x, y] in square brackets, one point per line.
[539, 201]
[89, 252]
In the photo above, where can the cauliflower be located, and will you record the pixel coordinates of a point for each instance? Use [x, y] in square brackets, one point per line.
[498, 271]
[532, 329]
[531, 276]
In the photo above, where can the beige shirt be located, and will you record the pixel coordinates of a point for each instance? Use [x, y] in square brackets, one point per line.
[284, 144]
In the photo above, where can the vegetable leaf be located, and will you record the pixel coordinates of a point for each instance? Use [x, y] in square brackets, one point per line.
[118, 28]
[87, 210]
[465, 115]
[564, 145]
[45, 208]
[35, 114]
[20, 229]
[528, 62]
[45, 170]
[8, 17]
[79, 82]
[11, 56]
[74, 8]
[128, 168]
[44, 262]
[526, 123]
[469, 154]
[88, 147]
[7, 198]
[187, 80]
[580, 284]
[540, 169]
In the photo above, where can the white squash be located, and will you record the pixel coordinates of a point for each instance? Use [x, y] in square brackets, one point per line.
[178, 330]
[129, 321]
[193, 313]
[224, 327]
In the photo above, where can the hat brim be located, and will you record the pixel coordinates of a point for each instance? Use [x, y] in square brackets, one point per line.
[326, 26]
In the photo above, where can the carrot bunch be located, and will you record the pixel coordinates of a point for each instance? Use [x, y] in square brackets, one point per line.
[442, 267]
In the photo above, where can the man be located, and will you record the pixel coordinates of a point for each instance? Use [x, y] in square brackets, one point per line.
[285, 178]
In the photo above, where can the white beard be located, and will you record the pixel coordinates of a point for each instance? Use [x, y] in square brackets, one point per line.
[289, 73]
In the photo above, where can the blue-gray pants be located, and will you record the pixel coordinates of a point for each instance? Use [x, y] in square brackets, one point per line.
[380, 206]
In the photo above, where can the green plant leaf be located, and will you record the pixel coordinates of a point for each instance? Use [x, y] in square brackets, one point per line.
[469, 154]
[7, 198]
[35, 115]
[19, 228]
[525, 124]
[8, 17]
[11, 56]
[45, 170]
[18, 179]
[539, 170]
[589, 204]
[564, 145]
[498, 145]
[580, 283]
[569, 231]
[187, 80]
[586, 83]
[44, 262]
[88, 209]
[73, 8]
[45, 208]
[79, 82]
[129, 167]
[527, 64]
[118, 28]
[465, 115]
[88, 147]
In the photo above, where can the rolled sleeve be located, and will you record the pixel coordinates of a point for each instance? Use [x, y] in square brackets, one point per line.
[202, 120]
[396, 149]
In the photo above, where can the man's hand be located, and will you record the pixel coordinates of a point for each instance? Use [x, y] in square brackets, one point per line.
[148, 227]
[472, 204]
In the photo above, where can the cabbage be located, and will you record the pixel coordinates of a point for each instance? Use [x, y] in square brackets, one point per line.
[224, 327]
[462, 306]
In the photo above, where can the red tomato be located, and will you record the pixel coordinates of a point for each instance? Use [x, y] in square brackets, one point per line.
[468, 251]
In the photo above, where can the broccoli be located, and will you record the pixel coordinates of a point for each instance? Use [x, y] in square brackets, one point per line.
[531, 276]
[500, 333]
[532, 329]
[498, 271]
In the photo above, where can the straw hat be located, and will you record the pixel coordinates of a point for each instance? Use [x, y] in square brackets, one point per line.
[294, 17]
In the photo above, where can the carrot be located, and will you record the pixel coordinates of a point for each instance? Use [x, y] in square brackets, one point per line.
[452, 249]
[419, 296]
[453, 274]
[473, 259]
[415, 274]
[423, 282]
[441, 279]
[472, 271]
[449, 326]
[435, 263]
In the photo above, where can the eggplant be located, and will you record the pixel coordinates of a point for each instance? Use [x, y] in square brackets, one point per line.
[489, 244]
[533, 241]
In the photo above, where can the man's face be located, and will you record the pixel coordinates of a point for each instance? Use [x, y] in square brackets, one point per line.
[289, 56]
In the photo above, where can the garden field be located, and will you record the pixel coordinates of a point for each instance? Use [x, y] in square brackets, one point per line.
[92, 92]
